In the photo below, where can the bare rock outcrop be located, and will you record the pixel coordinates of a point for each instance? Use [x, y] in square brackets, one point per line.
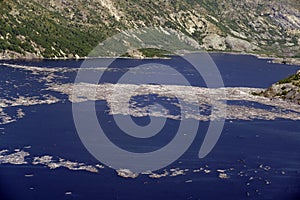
[288, 89]
[215, 42]
[237, 44]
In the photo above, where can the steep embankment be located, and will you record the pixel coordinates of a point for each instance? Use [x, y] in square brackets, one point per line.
[287, 89]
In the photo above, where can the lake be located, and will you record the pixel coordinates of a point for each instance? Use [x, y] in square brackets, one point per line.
[253, 159]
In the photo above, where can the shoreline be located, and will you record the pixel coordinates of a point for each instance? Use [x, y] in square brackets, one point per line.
[278, 60]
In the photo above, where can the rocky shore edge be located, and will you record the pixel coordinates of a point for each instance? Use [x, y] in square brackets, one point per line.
[287, 89]
[10, 55]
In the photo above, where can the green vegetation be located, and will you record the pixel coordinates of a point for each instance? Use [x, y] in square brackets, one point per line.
[69, 28]
[151, 53]
[155, 52]
[291, 79]
[32, 32]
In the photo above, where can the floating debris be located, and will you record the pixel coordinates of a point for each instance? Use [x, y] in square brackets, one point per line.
[126, 173]
[20, 113]
[22, 101]
[17, 158]
[85, 92]
[241, 174]
[47, 160]
[178, 172]
[198, 170]
[147, 172]
[223, 176]
[100, 166]
[266, 168]
[3, 151]
[154, 175]
[42, 160]
[4, 117]
[267, 182]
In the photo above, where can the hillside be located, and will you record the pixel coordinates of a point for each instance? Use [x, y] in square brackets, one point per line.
[287, 89]
[56, 28]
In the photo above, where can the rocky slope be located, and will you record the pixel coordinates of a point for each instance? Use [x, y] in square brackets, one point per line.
[287, 89]
[57, 28]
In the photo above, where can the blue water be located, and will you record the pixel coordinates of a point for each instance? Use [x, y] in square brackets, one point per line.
[244, 145]
[236, 70]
